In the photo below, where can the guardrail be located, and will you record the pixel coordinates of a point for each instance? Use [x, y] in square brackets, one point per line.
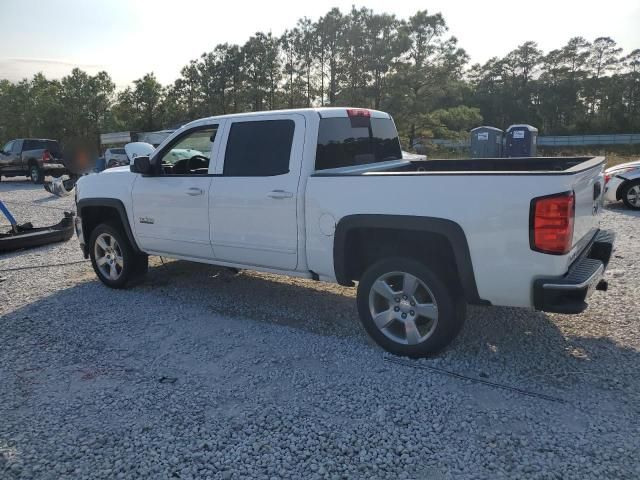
[573, 140]
[560, 140]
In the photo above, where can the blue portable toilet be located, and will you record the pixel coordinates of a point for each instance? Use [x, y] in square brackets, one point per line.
[486, 142]
[520, 141]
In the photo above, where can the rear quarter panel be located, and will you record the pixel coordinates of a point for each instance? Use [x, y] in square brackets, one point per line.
[493, 211]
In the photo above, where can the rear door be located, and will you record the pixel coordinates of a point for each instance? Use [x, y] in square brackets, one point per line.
[15, 159]
[254, 196]
[19, 146]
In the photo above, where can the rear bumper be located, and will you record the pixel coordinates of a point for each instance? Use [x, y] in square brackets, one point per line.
[53, 167]
[569, 293]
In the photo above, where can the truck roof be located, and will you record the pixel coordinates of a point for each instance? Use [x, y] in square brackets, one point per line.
[323, 112]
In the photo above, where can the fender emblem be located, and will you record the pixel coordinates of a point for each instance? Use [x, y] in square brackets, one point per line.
[148, 220]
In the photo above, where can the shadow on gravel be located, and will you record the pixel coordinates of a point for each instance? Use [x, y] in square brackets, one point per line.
[621, 208]
[13, 183]
[320, 308]
[508, 345]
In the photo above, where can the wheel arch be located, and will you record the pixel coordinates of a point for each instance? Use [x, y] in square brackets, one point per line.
[447, 236]
[94, 211]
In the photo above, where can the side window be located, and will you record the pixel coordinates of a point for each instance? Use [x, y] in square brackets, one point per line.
[8, 147]
[190, 153]
[17, 146]
[259, 149]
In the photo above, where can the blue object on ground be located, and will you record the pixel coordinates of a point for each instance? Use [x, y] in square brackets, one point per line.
[7, 214]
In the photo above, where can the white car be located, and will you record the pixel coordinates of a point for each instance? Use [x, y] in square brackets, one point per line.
[115, 157]
[325, 194]
[623, 183]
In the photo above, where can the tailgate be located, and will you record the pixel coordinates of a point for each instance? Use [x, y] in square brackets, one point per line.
[588, 186]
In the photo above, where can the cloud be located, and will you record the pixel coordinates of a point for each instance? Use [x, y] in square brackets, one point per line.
[15, 69]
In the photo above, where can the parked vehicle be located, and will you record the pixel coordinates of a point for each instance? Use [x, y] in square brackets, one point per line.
[325, 194]
[115, 157]
[33, 157]
[623, 183]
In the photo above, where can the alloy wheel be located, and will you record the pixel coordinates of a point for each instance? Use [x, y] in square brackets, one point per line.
[403, 308]
[633, 196]
[108, 255]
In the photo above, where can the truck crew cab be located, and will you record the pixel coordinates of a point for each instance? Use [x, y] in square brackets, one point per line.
[324, 193]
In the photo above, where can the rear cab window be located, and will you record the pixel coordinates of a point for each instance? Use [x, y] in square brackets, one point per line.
[356, 140]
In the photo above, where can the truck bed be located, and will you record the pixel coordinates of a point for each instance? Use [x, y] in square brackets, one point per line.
[490, 199]
[478, 166]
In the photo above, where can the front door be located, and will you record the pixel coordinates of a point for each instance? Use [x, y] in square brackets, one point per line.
[254, 197]
[171, 209]
[8, 159]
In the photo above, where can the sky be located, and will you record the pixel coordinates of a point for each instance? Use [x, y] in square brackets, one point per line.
[129, 38]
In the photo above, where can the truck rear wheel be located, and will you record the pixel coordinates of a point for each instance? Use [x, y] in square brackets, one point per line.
[407, 309]
[113, 258]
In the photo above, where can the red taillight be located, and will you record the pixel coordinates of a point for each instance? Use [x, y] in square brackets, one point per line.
[358, 112]
[552, 219]
[607, 177]
[46, 156]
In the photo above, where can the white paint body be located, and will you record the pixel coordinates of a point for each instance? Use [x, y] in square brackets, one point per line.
[619, 175]
[238, 222]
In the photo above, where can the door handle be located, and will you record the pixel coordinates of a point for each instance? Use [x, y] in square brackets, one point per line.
[279, 194]
[195, 191]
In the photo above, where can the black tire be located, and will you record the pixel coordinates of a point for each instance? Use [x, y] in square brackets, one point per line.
[451, 309]
[133, 265]
[625, 190]
[36, 174]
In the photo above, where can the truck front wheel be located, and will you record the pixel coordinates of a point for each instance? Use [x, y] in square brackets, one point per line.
[113, 258]
[407, 309]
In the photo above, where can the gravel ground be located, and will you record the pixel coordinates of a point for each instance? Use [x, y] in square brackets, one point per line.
[198, 373]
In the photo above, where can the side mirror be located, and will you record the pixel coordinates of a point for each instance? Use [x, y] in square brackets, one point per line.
[141, 165]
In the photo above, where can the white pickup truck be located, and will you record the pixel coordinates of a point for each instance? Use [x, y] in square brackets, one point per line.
[324, 193]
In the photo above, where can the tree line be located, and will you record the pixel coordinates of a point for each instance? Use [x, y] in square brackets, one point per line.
[412, 68]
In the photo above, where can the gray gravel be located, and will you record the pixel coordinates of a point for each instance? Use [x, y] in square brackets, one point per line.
[198, 373]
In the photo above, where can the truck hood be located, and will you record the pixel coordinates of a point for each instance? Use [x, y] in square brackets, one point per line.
[125, 168]
[138, 149]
